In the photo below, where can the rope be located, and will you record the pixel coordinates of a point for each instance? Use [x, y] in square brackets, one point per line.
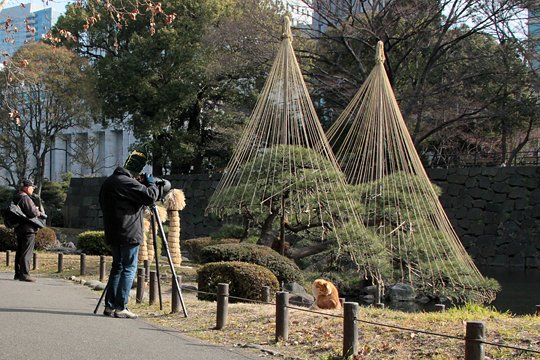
[375, 151]
[283, 168]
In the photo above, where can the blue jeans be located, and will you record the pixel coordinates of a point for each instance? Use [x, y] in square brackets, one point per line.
[123, 270]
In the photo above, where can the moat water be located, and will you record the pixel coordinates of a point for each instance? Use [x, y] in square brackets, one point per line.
[520, 289]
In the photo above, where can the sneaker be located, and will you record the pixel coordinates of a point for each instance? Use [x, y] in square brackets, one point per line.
[108, 311]
[27, 279]
[125, 314]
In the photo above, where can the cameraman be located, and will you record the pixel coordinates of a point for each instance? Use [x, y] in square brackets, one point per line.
[122, 198]
[25, 231]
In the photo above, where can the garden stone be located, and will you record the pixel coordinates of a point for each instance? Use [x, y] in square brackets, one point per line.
[401, 292]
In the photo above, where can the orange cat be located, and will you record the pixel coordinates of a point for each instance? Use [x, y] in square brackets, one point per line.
[326, 295]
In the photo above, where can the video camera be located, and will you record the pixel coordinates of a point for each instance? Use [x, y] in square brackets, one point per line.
[163, 185]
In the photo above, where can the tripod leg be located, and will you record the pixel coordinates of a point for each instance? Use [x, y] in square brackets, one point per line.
[101, 298]
[166, 246]
[153, 220]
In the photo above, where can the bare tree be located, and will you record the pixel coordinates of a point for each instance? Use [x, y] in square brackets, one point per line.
[44, 90]
[455, 65]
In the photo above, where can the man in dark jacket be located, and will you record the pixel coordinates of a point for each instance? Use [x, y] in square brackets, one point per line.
[122, 199]
[25, 231]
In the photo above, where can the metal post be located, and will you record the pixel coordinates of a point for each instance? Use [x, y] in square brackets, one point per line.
[146, 270]
[140, 286]
[474, 335]
[266, 294]
[222, 305]
[34, 261]
[153, 288]
[60, 262]
[282, 316]
[8, 257]
[101, 268]
[440, 307]
[175, 303]
[83, 264]
[350, 330]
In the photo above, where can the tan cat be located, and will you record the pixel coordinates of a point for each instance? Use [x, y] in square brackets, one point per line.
[326, 295]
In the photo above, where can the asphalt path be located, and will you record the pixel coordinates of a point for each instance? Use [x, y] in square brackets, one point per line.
[53, 319]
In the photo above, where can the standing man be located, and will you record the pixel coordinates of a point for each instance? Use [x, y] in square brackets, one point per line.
[25, 231]
[122, 198]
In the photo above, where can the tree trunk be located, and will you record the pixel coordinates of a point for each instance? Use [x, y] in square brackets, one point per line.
[268, 234]
[308, 250]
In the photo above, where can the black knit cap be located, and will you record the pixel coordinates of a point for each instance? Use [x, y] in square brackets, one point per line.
[136, 160]
[28, 182]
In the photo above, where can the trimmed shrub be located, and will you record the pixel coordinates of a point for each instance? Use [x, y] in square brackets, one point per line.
[45, 237]
[229, 231]
[194, 246]
[8, 240]
[245, 280]
[54, 195]
[93, 243]
[284, 269]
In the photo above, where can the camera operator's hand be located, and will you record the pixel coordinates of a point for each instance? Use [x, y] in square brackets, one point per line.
[149, 179]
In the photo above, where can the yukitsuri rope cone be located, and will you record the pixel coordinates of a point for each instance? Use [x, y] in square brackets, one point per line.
[284, 179]
[174, 201]
[146, 250]
[378, 157]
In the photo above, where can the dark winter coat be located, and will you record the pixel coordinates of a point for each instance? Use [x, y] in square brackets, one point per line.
[29, 208]
[122, 199]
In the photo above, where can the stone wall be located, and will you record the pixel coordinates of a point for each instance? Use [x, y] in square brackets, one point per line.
[82, 206]
[495, 211]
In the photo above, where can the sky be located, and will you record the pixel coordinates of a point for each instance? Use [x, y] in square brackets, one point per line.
[58, 5]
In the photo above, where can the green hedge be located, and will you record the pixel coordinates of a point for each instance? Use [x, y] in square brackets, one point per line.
[194, 246]
[45, 237]
[245, 280]
[8, 241]
[229, 231]
[284, 268]
[93, 243]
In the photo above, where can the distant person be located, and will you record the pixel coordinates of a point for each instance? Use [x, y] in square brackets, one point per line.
[25, 231]
[122, 198]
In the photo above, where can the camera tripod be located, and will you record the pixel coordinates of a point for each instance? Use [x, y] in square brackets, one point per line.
[153, 220]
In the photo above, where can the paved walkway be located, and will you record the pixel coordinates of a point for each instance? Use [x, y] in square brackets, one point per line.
[53, 319]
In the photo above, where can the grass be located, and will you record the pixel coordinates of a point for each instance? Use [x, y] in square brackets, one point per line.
[319, 335]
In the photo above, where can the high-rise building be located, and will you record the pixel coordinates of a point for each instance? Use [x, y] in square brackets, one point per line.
[24, 24]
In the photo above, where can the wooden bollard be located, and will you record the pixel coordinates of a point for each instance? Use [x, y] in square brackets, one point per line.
[222, 305]
[8, 258]
[146, 264]
[537, 310]
[350, 330]
[35, 261]
[153, 288]
[265, 294]
[83, 264]
[282, 316]
[474, 335]
[102, 268]
[440, 307]
[60, 262]
[140, 286]
[175, 301]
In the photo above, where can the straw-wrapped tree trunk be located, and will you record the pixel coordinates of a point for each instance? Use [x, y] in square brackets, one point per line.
[146, 250]
[174, 202]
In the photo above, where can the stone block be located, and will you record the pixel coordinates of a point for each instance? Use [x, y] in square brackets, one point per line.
[457, 179]
[500, 188]
[518, 193]
[483, 182]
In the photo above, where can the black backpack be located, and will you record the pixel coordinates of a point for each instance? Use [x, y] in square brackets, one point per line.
[11, 213]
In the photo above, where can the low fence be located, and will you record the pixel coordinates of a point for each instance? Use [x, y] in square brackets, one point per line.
[473, 341]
